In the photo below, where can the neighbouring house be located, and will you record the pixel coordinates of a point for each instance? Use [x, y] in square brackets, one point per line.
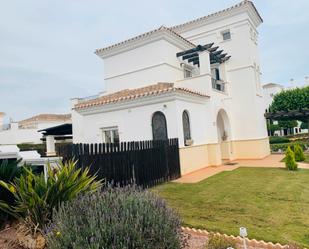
[269, 92]
[28, 130]
[198, 81]
[33, 158]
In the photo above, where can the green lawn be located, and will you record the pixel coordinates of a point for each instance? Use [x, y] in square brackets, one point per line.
[272, 203]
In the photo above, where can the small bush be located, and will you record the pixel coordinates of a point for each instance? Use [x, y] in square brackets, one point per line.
[283, 147]
[123, 218]
[40, 148]
[278, 140]
[290, 160]
[299, 153]
[35, 198]
[219, 242]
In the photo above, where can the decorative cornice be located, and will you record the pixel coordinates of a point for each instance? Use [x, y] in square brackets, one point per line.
[160, 33]
[244, 5]
[132, 94]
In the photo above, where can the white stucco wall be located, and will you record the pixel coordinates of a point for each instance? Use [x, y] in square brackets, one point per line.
[141, 66]
[18, 136]
[15, 135]
[156, 61]
[242, 71]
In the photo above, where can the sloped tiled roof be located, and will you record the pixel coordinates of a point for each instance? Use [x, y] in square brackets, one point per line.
[131, 94]
[46, 117]
[160, 29]
[218, 13]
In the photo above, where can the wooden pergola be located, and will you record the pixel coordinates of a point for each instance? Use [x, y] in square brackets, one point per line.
[302, 115]
[216, 56]
[288, 115]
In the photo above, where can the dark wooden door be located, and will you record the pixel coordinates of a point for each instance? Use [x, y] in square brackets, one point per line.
[159, 127]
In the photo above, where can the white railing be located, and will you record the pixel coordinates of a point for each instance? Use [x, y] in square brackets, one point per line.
[218, 85]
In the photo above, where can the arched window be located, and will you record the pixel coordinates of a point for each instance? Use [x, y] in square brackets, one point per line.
[159, 127]
[186, 127]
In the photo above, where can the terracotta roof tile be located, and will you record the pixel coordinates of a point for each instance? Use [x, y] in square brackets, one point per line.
[131, 94]
[46, 117]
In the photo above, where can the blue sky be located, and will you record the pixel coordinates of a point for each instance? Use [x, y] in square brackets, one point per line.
[47, 47]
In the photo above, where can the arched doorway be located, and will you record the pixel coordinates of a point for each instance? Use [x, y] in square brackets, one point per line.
[159, 127]
[224, 135]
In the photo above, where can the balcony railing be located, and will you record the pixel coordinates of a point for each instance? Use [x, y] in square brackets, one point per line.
[218, 85]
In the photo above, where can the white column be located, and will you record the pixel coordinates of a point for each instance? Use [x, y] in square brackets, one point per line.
[2, 114]
[204, 59]
[50, 146]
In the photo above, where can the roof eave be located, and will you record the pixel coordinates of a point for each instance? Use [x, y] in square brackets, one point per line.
[245, 5]
[141, 40]
[142, 99]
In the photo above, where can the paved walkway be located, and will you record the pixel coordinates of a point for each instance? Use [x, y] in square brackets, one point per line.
[272, 161]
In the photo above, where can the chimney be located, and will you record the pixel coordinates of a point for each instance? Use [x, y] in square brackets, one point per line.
[2, 114]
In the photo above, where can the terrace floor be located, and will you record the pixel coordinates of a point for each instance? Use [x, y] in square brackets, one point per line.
[271, 161]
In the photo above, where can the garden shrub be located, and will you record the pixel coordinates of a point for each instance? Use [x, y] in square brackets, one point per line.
[40, 148]
[299, 153]
[278, 140]
[290, 160]
[115, 218]
[219, 242]
[9, 170]
[35, 197]
[283, 147]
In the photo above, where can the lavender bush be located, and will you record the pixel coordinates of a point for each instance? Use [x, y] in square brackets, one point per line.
[117, 218]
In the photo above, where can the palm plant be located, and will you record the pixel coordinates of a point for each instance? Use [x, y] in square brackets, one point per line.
[9, 170]
[36, 197]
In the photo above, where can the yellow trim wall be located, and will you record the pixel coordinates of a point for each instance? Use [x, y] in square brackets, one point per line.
[193, 158]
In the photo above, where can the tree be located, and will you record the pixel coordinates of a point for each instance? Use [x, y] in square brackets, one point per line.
[287, 124]
[304, 125]
[299, 153]
[290, 159]
[292, 99]
[272, 128]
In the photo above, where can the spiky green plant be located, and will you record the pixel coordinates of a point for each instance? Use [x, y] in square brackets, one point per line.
[9, 170]
[299, 153]
[290, 159]
[36, 197]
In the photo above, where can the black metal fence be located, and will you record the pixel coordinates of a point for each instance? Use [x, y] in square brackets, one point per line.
[146, 163]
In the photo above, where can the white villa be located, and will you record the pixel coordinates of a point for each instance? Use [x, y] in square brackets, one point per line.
[28, 130]
[198, 81]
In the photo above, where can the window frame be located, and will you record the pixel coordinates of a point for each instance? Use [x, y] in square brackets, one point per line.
[111, 131]
[223, 33]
